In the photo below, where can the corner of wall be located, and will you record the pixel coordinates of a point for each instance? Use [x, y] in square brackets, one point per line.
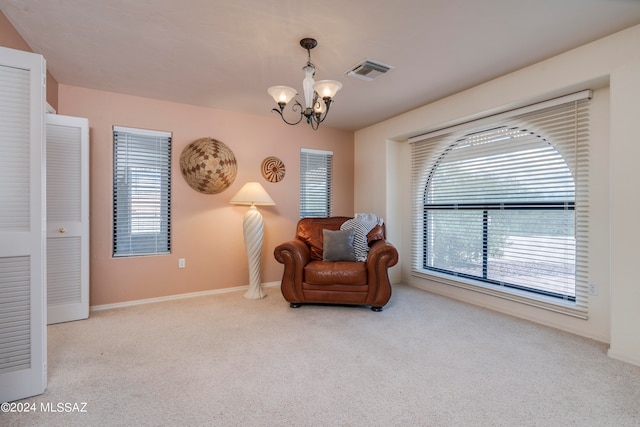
[9, 37]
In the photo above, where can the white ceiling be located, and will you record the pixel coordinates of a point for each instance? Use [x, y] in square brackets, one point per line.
[225, 54]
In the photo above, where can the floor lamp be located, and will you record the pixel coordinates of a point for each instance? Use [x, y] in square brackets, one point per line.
[252, 193]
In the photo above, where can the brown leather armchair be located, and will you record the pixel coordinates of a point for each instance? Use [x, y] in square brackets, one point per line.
[309, 279]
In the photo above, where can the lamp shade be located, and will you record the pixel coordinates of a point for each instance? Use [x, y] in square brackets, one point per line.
[327, 88]
[282, 94]
[252, 193]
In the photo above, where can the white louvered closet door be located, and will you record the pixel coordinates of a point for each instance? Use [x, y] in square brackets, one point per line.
[67, 218]
[22, 245]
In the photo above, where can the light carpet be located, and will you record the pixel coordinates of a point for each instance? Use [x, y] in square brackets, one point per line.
[424, 361]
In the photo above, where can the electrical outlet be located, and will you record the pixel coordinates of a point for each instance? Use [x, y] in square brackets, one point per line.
[181, 263]
[593, 288]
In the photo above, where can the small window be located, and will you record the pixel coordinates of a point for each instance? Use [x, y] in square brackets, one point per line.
[141, 192]
[315, 183]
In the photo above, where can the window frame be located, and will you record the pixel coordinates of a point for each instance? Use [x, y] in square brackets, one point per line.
[486, 248]
[579, 165]
[139, 152]
[316, 170]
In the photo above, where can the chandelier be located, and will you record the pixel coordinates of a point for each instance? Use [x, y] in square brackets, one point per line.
[318, 96]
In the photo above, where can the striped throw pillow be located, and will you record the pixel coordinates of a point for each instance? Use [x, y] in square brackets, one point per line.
[361, 224]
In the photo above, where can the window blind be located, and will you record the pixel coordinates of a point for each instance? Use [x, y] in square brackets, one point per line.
[501, 206]
[141, 192]
[315, 183]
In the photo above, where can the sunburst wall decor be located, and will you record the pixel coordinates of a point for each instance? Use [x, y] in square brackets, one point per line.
[273, 169]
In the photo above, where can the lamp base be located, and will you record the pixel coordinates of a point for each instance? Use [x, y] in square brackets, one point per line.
[252, 227]
[254, 293]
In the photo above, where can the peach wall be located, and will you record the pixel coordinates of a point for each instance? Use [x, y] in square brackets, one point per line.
[206, 229]
[9, 37]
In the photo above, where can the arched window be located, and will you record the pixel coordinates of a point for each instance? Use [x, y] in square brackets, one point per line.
[496, 205]
[499, 207]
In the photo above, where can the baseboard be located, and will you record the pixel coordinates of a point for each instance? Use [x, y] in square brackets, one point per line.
[623, 358]
[510, 308]
[177, 297]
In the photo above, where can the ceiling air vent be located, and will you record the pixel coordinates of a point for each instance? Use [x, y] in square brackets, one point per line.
[368, 70]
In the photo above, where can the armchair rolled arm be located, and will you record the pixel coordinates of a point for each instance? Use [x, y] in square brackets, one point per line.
[294, 254]
[295, 249]
[384, 252]
[382, 255]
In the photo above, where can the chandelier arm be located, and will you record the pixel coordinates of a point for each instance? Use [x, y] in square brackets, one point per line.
[294, 107]
[313, 122]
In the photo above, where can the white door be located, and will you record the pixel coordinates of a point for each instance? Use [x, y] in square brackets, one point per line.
[23, 333]
[67, 218]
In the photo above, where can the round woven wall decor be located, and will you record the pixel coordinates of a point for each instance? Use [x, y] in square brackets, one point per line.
[208, 165]
[273, 169]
